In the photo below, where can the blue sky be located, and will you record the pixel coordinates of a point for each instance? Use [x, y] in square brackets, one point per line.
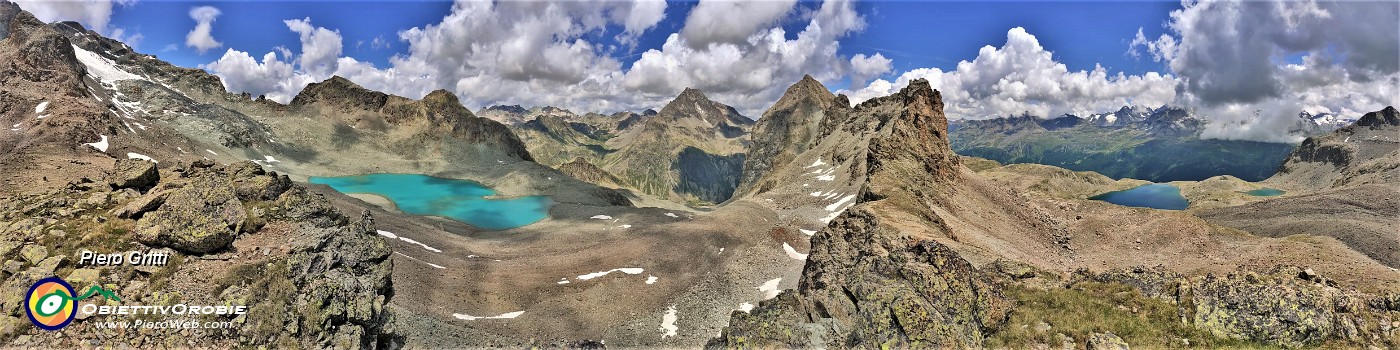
[1248, 66]
[912, 34]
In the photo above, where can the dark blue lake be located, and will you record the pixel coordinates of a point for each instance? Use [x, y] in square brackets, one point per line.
[1265, 192]
[459, 200]
[1156, 196]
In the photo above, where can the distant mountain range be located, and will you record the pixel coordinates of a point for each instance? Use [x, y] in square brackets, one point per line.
[1155, 144]
[846, 226]
[692, 150]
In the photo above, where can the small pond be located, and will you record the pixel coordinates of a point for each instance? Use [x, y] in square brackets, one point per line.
[1156, 196]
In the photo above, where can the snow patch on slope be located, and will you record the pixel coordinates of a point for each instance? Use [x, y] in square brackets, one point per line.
[99, 145]
[626, 270]
[102, 68]
[133, 155]
[792, 253]
[501, 316]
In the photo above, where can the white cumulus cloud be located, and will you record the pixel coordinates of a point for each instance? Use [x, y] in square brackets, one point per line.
[731, 21]
[275, 78]
[320, 48]
[1231, 58]
[863, 67]
[544, 53]
[1022, 76]
[201, 38]
[751, 74]
[93, 14]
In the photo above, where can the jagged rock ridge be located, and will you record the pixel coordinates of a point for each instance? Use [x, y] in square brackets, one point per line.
[870, 281]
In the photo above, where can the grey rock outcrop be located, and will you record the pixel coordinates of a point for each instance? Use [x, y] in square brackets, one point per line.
[133, 173]
[1106, 341]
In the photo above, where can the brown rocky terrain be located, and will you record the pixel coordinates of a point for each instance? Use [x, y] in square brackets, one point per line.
[1346, 186]
[787, 129]
[310, 276]
[848, 226]
[583, 170]
[855, 288]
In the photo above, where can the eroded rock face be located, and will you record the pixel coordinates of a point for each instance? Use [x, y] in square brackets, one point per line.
[872, 279]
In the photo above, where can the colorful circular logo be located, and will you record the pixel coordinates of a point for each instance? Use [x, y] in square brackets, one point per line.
[51, 304]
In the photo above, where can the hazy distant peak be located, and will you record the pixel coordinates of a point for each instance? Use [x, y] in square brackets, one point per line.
[517, 109]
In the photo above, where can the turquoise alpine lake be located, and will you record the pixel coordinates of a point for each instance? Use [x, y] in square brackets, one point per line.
[1156, 196]
[459, 200]
[1265, 192]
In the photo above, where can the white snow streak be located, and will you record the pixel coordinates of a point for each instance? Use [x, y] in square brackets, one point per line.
[100, 67]
[792, 253]
[99, 145]
[626, 270]
[421, 261]
[133, 155]
[668, 323]
[770, 288]
[501, 316]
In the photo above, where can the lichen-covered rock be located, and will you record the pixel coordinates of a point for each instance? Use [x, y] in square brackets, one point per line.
[201, 217]
[1106, 341]
[251, 183]
[1282, 308]
[33, 253]
[1287, 306]
[132, 173]
[135, 208]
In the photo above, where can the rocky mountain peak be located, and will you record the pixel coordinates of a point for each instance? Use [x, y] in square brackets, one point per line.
[517, 109]
[790, 127]
[808, 87]
[872, 279]
[1387, 116]
[692, 103]
[692, 94]
[918, 135]
[34, 53]
[342, 92]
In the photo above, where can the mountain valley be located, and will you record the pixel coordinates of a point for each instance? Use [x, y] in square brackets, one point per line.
[822, 223]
